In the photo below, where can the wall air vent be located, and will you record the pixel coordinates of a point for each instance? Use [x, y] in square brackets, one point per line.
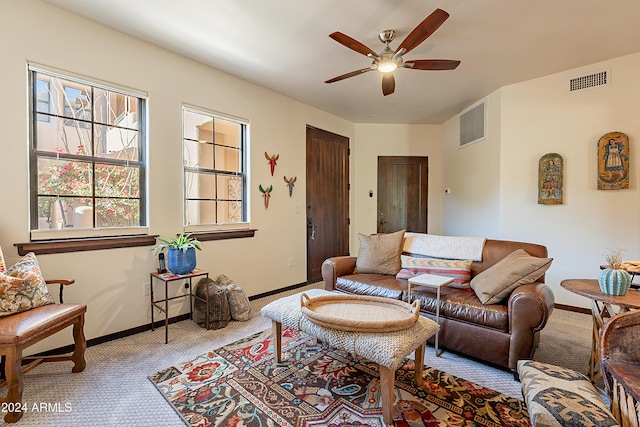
[589, 81]
[473, 124]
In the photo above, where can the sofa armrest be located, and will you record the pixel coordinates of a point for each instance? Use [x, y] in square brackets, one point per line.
[529, 309]
[334, 267]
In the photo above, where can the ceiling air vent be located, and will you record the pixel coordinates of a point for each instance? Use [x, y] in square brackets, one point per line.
[473, 124]
[589, 81]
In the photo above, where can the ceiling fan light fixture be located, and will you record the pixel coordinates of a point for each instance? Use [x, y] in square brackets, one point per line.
[387, 66]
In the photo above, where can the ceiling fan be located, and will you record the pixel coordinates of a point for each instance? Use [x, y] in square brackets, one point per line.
[389, 60]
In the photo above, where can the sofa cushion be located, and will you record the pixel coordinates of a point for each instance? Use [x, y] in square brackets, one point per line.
[558, 396]
[377, 285]
[380, 253]
[23, 287]
[498, 281]
[459, 270]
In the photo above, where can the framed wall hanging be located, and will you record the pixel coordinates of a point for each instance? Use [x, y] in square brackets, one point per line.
[551, 179]
[613, 161]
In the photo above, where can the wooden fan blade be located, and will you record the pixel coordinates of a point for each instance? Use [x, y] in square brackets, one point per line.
[432, 64]
[388, 84]
[423, 30]
[352, 44]
[347, 75]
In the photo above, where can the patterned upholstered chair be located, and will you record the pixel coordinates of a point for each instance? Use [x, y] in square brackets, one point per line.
[28, 315]
[620, 359]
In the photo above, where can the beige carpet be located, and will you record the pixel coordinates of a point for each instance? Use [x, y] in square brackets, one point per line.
[114, 389]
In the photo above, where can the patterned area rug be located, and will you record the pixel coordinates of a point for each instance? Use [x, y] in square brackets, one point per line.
[239, 385]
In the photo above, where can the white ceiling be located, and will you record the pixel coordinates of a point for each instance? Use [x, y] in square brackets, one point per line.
[283, 45]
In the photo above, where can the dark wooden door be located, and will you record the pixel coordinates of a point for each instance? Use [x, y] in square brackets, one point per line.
[402, 193]
[327, 199]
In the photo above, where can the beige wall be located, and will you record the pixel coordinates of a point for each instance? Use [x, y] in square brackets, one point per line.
[373, 140]
[111, 281]
[539, 117]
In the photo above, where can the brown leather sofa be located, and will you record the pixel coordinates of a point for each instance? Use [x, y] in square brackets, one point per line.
[499, 334]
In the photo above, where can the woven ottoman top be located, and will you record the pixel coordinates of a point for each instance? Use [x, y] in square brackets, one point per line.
[388, 349]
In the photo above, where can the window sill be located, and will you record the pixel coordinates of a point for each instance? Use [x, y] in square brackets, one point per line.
[79, 245]
[222, 235]
[94, 244]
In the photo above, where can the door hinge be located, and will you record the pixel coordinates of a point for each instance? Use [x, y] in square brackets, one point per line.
[348, 221]
[348, 187]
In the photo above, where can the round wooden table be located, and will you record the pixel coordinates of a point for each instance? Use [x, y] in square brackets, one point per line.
[603, 306]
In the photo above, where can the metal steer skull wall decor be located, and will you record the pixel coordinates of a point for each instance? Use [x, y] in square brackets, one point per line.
[272, 161]
[290, 183]
[266, 194]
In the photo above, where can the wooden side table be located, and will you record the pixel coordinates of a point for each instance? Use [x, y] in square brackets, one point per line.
[603, 306]
[167, 278]
[433, 281]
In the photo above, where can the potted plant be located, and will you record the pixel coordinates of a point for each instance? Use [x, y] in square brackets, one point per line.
[614, 280]
[181, 252]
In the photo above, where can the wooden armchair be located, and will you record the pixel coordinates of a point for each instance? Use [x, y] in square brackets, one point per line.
[620, 359]
[21, 330]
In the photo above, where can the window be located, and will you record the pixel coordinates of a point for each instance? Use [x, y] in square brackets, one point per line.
[87, 155]
[214, 150]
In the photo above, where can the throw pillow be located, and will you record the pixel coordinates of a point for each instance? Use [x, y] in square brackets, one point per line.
[460, 270]
[23, 287]
[558, 396]
[238, 301]
[380, 253]
[498, 281]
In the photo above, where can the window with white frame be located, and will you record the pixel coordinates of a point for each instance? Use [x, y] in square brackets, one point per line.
[87, 155]
[214, 149]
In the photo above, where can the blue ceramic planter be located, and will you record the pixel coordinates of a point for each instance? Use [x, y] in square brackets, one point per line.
[180, 262]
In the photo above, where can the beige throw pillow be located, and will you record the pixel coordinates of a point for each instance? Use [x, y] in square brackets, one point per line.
[380, 253]
[498, 281]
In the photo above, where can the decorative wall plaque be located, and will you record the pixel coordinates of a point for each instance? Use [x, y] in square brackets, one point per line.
[613, 161]
[551, 179]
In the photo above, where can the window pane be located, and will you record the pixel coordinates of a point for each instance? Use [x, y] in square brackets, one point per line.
[117, 143]
[197, 127]
[64, 177]
[116, 109]
[200, 212]
[200, 185]
[55, 137]
[102, 126]
[198, 154]
[117, 181]
[117, 212]
[228, 159]
[229, 187]
[228, 133]
[229, 212]
[64, 212]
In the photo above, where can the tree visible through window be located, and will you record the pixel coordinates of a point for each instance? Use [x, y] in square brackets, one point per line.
[214, 168]
[87, 155]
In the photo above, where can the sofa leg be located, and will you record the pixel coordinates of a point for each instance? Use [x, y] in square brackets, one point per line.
[516, 376]
[79, 362]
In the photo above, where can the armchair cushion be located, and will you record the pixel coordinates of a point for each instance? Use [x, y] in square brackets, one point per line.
[23, 287]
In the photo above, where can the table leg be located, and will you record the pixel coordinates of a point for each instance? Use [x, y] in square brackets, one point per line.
[166, 312]
[387, 380]
[419, 365]
[437, 320]
[276, 328]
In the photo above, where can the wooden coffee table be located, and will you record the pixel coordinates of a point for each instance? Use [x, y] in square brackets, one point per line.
[603, 306]
[388, 350]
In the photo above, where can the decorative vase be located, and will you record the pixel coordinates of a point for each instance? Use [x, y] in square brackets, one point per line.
[614, 282]
[180, 262]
